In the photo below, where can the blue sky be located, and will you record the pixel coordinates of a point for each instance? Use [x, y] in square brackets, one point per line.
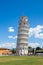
[10, 12]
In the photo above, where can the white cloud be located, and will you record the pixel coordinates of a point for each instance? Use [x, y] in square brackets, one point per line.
[11, 29]
[13, 45]
[34, 45]
[8, 45]
[12, 37]
[37, 31]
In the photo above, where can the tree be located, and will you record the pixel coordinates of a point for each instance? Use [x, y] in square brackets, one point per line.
[38, 48]
[13, 50]
[29, 47]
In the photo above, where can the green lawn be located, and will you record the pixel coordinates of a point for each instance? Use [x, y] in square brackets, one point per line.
[21, 60]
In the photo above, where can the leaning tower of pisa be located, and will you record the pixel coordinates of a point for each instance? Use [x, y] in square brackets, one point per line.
[22, 40]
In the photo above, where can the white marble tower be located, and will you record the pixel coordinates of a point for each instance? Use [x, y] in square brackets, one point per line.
[22, 40]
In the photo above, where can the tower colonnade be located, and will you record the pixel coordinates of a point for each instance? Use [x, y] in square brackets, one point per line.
[22, 40]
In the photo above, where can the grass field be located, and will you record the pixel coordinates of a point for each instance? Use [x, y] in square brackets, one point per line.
[21, 60]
